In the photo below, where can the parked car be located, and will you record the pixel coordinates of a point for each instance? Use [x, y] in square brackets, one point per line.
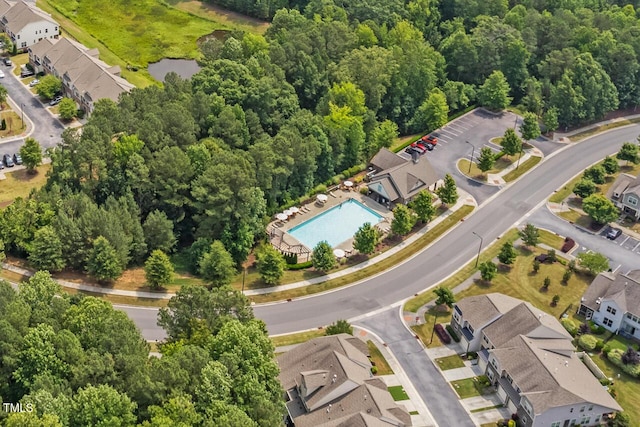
[7, 160]
[7, 61]
[429, 141]
[34, 82]
[416, 147]
[1, 74]
[17, 159]
[55, 101]
[25, 72]
[613, 233]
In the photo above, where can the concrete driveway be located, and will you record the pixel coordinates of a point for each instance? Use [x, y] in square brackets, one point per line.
[47, 129]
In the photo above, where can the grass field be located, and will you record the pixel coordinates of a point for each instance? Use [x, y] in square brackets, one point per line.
[466, 387]
[501, 164]
[551, 239]
[450, 362]
[378, 360]
[19, 183]
[522, 169]
[626, 387]
[225, 17]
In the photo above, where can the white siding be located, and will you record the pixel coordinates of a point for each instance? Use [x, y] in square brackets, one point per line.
[34, 32]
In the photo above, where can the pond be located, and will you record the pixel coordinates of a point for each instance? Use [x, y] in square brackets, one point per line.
[185, 68]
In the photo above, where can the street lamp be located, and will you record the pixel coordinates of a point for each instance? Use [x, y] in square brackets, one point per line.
[519, 156]
[473, 151]
[479, 247]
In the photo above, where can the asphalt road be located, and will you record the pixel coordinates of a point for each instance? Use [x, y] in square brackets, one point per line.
[436, 393]
[440, 260]
[47, 129]
[621, 257]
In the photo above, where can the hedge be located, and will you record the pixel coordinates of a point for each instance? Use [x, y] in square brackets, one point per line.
[453, 334]
[587, 342]
[615, 357]
[570, 326]
[300, 266]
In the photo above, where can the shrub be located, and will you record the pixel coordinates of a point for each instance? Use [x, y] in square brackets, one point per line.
[300, 266]
[552, 255]
[453, 334]
[599, 345]
[374, 370]
[584, 328]
[442, 334]
[596, 329]
[566, 276]
[588, 342]
[546, 283]
[555, 299]
[291, 258]
[631, 357]
[536, 265]
[572, 265]
[319, 189]
[606, 349]
[569, 243]
[570, 326]
[364, 190]
[605, 381]
[615, 357]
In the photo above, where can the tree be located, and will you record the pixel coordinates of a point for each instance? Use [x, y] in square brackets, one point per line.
[584, 188]
[158, 232]
[597, 174]
[340, 327]
[403, 220]
[448, 193]
[433, 113]
[536, 265]
[158, 270]
[216, 265]
[600, 208]
[622, 419]
[494, 92]
[610, 165]
[486, 160]
[530, 235]
[530, 128]
[550, 119]
[67, 109]
[31, 154]
[103, 262]
[594, 262]
[270, 264]
[511, 143]
[488, 271]
[49, 85]
[555, 299]
[102, 406]
[507, 254]
[445, 296]
[366, 238]
[566, 276]
[629, 153]
[546, 283]
[631, 356]
[323, 258]
[422, 205]
[46, 252]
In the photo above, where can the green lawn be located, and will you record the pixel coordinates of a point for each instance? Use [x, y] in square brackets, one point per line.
[378, 360]
[626, 387]
[398, 393]
[19, 183]
[139, 32]
[450, 362]
[466, 387]
[522, 169]
[576, 218]
[222, 16]
[551, 239]
[297, 338]
[500, 164]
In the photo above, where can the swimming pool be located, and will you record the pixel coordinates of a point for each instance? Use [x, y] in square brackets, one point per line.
[335, 225]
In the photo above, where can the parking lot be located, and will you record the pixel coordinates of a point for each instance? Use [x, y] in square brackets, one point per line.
[624, 240]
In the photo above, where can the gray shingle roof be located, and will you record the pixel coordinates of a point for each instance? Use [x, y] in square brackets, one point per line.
[22, 14]
[625, 183]
[478, 310]
[333, 376]
[405, 179]
[623, 289]
[386, 159]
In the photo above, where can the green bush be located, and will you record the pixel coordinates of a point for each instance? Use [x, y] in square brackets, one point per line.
[291, 258]
[596, 329]
[364, 190]
[606, 349]
[605, 381]
[615, 357]
[319, 189]
[599, 345]
[453, 334]
[374, 370]
[587, 342]
[570, 326]
[300, 266]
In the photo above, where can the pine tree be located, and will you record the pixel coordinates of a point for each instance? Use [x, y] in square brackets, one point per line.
[403, 220]
[158, 269]
[530, 235]
[103, 262]
[46, 250]
[486, 160]
[448, 193]
[507, 254]
[270, 264]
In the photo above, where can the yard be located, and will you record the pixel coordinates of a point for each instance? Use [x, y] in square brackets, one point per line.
[626, 387]
[378, 360]
[468, 387]
[398, 393]
[19, 183]
[450, 362]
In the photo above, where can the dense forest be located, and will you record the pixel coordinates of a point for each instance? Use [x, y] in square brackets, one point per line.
[271, 117]
[73, 361]
[197, 166]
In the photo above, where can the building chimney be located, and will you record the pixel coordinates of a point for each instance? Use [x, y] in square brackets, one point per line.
[415, 156]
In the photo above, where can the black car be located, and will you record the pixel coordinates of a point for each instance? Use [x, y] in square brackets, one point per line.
[17, 159]
[7, 160]
[613, 233]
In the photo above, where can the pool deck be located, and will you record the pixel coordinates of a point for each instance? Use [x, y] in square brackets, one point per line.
[287, 243]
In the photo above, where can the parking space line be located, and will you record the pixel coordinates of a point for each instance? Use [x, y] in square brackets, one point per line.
[452, 133]
[458, 126]
[616, 269]
[623, 242]
[636, 247]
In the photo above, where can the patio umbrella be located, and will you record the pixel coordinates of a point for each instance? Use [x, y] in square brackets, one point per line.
[281, 216]
[288, 212]
[339, 253]
[322, 197]
[348, 184]
[294, 210]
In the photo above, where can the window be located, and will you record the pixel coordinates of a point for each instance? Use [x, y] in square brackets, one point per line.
[611, 310]
[632, 200]
[470, 328]
[591, 407]
[596, 419]
[607, 322]
[46, 30]
[585, 420]
[573, 422]
[18, 36]
[582, 409]
[24, 44]
[571, 410]
[556, 424]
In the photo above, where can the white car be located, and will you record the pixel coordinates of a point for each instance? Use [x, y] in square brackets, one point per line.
[1, 74]
[34, 82]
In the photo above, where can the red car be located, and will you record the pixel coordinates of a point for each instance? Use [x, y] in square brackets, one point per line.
[418, 147]
[429, 141]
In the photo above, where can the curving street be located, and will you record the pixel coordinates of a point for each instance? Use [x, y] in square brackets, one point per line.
[437, 262]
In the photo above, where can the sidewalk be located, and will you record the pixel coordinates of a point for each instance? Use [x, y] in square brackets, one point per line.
[463, 199]
[565, 137]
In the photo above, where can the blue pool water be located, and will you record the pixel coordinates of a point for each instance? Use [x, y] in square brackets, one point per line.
[335, 225]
